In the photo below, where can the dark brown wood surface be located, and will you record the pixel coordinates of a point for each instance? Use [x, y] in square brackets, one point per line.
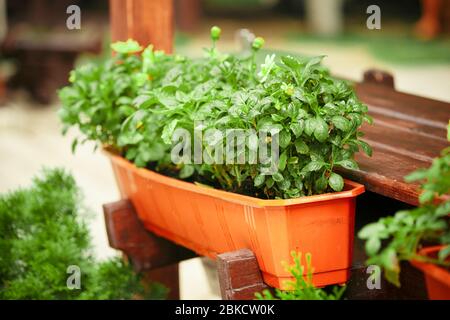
[408, 132]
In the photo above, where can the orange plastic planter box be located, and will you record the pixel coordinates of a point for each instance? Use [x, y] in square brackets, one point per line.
[211, 221]
[436, 277]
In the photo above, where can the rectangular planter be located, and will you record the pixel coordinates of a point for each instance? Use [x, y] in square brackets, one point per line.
[211, 221]
[437, 278]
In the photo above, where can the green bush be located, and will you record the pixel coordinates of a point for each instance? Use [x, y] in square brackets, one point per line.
[43, 233]
[135, 103]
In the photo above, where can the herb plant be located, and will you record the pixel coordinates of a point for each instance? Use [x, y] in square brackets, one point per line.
[408, 229]
[301, 288]
[42, 234]
[135, 102]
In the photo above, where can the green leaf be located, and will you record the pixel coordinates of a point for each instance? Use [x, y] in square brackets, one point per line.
[129, 46]
[285, 138]
[297, 128]
[186, 171]
[168, 131]
[277, 177]
[269, 182]
[259, 180]
[277, 117]
[443, 209]
[313, 166]
[291, 62]
[313, 62]
[321, 130]
[268, 124]
[131, 153]
[151, 152]
[284, 184]
[341, 123]
[321, 184]
[365, 147]
[389, 261]
[448, 131]
[301, 146]
[282, 161]
[310, 125]
[181, 96]
[416, 175]
[356, 119]
[368, 119]
[140, 79]
[124, 101]
[393, 276]
[444, 253]
[348, 164]
[426, 196]
[126, 110]
[145, 101]
[373, 244]
[336, 182]
[371, 230]
[293, 160]
[148, 58]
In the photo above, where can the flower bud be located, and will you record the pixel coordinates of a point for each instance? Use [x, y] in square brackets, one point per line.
[215, 33]
[258, 43]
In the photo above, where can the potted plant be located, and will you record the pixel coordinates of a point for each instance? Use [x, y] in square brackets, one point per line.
[218, 154]
[408, 234]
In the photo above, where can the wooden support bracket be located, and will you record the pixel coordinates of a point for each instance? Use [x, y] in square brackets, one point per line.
[239, 275]
[145, 250]
[155, 257]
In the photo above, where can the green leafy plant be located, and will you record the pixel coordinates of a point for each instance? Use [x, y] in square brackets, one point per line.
[301, 288]
[43, 233]
[135, 102]
[404, 232]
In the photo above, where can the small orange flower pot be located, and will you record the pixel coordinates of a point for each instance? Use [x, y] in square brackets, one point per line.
[436, 277]
[211, 221]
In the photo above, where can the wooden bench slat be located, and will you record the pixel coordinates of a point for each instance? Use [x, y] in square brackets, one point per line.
[404, 106]
[403, 142]
[383, 173]
[409, 126]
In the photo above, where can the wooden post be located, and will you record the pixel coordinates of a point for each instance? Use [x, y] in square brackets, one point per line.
[146, 21]
[187, 14]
